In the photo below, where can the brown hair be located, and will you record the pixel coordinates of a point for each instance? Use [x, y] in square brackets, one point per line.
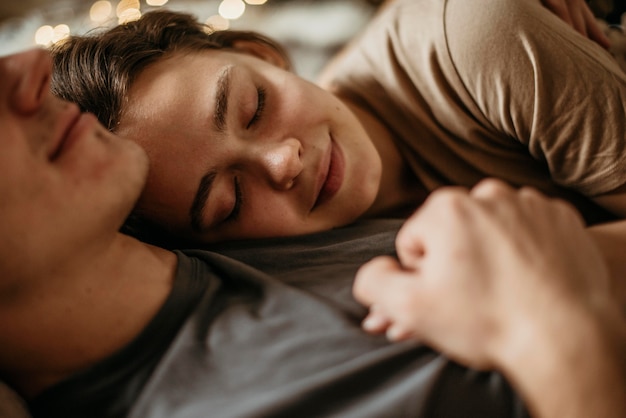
[97, 70]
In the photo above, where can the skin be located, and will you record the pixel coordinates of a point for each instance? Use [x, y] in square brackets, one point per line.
[507, 280]
[294, 161]
[67, 185]
[56, 161]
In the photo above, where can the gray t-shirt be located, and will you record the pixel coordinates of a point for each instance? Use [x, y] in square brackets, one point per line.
[275, 332]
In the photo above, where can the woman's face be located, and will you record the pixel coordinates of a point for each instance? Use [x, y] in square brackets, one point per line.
[241, 148]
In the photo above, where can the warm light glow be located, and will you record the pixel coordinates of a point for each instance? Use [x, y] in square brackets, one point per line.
[217, 22]
[44, 35]
[61, 32]
[256, 2]
[100, 11]
[231, 9]
[156, 2]
[128, 15]
[125, 5]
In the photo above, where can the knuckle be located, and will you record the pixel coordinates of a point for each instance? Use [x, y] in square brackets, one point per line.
[531, 194]
[491, 188]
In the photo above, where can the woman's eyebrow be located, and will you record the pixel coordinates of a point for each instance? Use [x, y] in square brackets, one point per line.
[200, 201]
[222, 94]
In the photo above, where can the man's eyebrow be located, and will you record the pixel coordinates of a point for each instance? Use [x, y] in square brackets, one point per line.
[221, 99]
[200, 200]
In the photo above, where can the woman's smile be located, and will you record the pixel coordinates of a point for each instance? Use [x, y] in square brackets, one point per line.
[332, 178]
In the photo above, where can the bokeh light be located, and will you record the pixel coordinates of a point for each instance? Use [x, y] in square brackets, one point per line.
[44, 35]
[100, 11]
[231, 9]
[217, 22]
[128, 10]
[125, 5]
[128, 15]
[60, 32]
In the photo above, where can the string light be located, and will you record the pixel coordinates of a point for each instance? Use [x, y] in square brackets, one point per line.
[128, 15]
[231, 9]
[44, 35]
[217, 22]
[129, 10]
[47, 35]
[100, 11]
[125, 5]
[60, 32]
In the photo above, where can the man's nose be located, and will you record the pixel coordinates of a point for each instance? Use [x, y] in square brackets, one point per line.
[30, 71]
[281, 162]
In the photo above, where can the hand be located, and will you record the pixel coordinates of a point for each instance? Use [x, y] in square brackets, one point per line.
[479, 270]
[578, 15]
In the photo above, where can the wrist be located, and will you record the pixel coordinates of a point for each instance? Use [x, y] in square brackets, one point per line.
[571, 362]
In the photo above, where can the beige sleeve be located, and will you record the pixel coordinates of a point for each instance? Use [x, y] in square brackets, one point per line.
[538, 81]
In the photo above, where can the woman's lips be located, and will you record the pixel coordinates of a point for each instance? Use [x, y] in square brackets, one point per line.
[334, 176]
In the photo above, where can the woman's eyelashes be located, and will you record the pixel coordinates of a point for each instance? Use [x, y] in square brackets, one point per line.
[234, 213]
[260, 105]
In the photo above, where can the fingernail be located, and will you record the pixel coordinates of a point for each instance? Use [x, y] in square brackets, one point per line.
[395, 334]
[374, 322]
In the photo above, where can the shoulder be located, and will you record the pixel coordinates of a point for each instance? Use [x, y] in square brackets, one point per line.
[492, 26]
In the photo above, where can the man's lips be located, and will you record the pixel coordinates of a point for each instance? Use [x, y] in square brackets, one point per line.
[67, 130]
[332, 176]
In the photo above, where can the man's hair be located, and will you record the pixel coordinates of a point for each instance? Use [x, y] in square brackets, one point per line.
[96, 71]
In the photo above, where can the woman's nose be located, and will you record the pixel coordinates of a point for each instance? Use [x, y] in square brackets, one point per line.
[281, 162]
[29, 73]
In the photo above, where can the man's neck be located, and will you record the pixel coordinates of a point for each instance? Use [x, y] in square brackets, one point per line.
[82, 313]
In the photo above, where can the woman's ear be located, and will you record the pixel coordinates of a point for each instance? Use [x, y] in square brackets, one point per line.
[263, 51]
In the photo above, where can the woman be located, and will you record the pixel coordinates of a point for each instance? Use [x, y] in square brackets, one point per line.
[242, 148]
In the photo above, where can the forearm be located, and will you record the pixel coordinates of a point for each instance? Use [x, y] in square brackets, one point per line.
[574, 367]
[611, 240]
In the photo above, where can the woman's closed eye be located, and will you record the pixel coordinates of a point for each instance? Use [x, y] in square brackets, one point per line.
[234, 213]
[260, 91]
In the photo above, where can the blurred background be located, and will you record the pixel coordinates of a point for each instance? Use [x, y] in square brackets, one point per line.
[311, 30]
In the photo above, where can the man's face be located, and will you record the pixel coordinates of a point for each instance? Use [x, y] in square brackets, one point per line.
[241, 148]
[66, 182]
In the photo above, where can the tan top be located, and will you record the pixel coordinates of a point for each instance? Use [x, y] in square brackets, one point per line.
[498, 88]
